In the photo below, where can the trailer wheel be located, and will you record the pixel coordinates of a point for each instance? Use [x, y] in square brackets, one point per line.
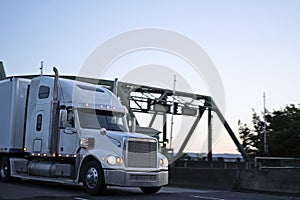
[5, 170]
[150, 190]
[93, 178]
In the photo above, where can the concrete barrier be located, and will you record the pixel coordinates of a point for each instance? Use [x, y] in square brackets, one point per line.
[271, 180]
[267, 180]
[203, 178]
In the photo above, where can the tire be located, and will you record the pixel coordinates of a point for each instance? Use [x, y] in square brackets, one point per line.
[93, 178]
[5, 170]
[150, 190]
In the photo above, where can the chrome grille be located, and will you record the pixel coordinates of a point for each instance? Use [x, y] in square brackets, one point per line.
[141, 153]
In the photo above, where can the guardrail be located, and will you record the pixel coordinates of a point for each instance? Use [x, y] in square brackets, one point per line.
[214, 165]
[258, 164]
[277, 163]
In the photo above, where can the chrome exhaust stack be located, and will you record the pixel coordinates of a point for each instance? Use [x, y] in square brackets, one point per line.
[54, 116]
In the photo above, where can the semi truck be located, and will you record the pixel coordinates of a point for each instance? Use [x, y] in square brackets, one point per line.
[72, 132]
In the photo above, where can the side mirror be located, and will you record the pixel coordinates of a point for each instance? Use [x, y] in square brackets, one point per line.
[63, 119]
[70, 130]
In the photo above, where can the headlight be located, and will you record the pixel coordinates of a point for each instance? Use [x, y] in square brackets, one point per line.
[112, 160]
[164, 162]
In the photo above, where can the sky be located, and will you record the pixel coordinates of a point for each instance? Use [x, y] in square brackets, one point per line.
[255, 45]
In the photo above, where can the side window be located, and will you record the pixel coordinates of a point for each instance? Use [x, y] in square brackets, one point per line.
[39, 120]
[70, 118]
[44, 92]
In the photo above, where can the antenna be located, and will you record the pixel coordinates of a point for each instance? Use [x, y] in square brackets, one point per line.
[41, 68]
[173, 110]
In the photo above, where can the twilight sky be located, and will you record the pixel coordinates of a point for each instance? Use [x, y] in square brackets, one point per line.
[255, 45]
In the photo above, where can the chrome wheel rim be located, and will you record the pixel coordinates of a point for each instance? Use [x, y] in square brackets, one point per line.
[4, 170]
[91, 177]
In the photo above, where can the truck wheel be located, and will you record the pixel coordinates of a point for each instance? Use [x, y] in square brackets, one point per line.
[5, 170]
[150, 190]
[93, 178]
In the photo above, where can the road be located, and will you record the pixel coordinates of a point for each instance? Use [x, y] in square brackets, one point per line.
[43, 191]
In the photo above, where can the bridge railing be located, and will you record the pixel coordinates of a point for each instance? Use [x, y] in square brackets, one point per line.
[277, 163]
[259, 163]
[214, 165]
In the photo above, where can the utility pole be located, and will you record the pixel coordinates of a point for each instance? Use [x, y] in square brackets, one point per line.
[265, 125]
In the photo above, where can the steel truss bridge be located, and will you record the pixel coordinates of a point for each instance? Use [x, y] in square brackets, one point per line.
[159, 101]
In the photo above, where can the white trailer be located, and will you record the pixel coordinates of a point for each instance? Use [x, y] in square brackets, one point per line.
[66, 131]
[12, 121]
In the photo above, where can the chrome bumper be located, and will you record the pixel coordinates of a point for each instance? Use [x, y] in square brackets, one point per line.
[136, 179]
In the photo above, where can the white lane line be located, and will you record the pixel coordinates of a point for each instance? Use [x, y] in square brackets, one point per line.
[78, 198]
[208, 198]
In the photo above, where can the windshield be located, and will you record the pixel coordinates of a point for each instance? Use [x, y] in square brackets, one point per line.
[97, 119]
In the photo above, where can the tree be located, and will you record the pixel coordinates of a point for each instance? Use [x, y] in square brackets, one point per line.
[252, 140]
[284, 140]
[246, 136]
[283, 131]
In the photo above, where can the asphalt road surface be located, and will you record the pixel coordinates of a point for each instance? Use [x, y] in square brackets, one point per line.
[52, 191]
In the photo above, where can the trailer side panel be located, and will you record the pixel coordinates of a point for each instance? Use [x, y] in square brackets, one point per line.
[12, 108]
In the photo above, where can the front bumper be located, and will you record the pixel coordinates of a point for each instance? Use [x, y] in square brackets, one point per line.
[136, 179]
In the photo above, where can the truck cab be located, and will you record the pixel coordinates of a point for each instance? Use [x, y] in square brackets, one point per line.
[76, 132]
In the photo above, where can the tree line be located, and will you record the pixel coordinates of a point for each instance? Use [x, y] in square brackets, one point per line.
[282, 130]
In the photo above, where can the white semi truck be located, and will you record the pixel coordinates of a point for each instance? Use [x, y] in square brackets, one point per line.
[60, 130]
